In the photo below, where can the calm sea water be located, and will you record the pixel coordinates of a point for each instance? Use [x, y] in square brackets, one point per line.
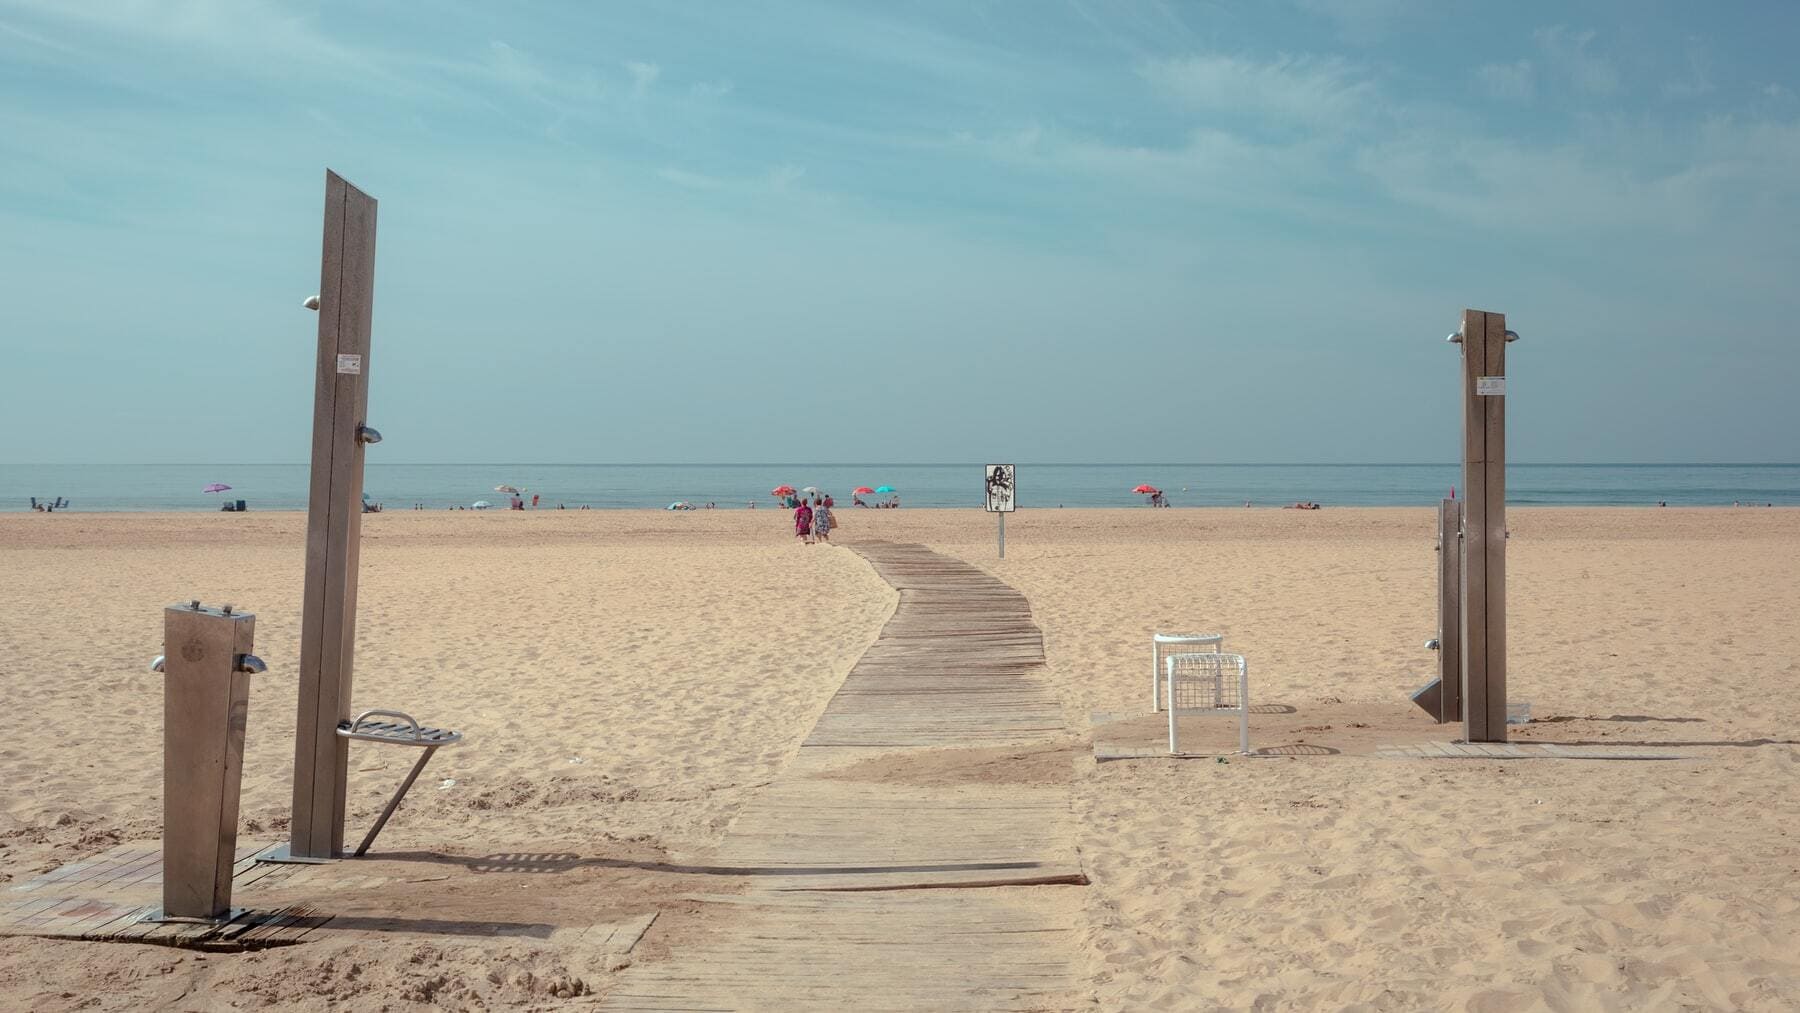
[284, 486]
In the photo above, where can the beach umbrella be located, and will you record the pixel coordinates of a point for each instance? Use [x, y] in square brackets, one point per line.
[217, 487]
[863, 490]
[1145, 489]
[811, 490]
[885, 488]
[506, 489]
[480, 504]
[782, 490]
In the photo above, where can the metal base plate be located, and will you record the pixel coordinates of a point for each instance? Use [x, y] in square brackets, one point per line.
[230, 915]
[282, 854]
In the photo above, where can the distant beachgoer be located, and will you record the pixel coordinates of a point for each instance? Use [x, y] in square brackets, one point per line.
[822, 520]
[803, 522]
[828, 501]
[534, 501]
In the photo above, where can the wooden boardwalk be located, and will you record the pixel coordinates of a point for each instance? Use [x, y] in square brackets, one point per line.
[867, 892]
[109, 896]
[1519, 751]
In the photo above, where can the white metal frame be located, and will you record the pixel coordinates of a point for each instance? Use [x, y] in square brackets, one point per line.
[1205, 672]
[1163, 644]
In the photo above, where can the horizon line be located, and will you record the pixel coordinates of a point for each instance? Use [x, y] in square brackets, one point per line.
[905, 464]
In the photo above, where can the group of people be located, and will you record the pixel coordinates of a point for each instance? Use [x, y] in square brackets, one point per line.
[813, 520]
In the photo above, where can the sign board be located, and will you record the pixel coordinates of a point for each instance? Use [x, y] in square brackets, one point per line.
[351, 364]
[1490, 386]
[1001, 490]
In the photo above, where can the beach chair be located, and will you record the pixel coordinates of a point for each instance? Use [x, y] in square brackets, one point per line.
[1164, 644]
[365, 729]
[1208, 684]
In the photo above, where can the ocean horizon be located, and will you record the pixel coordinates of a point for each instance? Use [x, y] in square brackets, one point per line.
[178, 487]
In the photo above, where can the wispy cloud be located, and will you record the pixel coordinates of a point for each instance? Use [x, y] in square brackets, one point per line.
[1515, 81]
[1697, 80]
[1363, 21]
[643, 77]
[1316, 91]
[1569, 54]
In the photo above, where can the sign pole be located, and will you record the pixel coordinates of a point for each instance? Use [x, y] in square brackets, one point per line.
[1002, 495]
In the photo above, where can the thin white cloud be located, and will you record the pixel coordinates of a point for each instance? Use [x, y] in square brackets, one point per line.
[1362, 20]
[1568, 54]
[1515, 81]
[1698, 79]
[643, 76]
[1297, 89]
[512, 67]
[690, 179]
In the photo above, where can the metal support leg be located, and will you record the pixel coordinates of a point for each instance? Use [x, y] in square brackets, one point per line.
[394, 803]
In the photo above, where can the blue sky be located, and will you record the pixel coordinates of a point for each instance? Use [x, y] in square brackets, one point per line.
[717, 232]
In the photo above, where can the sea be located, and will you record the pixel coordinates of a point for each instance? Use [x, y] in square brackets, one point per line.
[175, 487]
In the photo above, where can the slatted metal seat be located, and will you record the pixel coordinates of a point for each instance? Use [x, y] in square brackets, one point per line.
[405, 732]
[1164, 644]
[1208, 684]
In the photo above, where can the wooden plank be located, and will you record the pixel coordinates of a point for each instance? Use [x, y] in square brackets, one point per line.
[1009, 949]
[307, 739]
[1474, 545]
[1494, 409]
[334, 520]
[1450, 515]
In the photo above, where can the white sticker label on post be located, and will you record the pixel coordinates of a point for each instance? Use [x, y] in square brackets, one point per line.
[353, 364]
[1490, 386]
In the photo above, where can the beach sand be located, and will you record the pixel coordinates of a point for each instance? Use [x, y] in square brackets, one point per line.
[629, 680]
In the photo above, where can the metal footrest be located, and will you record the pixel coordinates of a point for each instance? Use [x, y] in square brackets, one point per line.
[411, 733]
[405, 732]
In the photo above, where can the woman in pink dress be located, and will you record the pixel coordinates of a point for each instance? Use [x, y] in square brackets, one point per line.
[803, 522]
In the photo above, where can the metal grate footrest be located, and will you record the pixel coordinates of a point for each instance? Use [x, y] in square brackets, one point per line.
[405, 732]
[409, 733]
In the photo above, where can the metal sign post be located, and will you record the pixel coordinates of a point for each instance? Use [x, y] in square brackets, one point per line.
[334, 520]
[1001, 496]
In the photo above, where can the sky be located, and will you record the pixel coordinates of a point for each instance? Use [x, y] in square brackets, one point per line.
[904, 232]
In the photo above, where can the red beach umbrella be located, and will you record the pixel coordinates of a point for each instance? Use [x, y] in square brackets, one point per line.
[863, 490]
[782, 490]
[1145, 489]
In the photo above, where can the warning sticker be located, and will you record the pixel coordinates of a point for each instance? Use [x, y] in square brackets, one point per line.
[1485, 386]
[353, 364]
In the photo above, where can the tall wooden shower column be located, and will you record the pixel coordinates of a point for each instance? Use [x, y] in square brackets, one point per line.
[334, 520]
[1484, 337]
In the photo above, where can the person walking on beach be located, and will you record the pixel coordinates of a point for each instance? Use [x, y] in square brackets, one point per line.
[822, 521]
[803, 516]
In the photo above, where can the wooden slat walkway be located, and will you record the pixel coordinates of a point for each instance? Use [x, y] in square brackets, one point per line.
[107, 897]
[863, 890]
[1517, 751]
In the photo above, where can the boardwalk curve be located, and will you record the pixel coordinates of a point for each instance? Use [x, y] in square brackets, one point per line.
[869, 892]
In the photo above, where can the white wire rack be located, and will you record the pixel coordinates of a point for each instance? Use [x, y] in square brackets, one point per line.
[1203, 684]
[1164, 644]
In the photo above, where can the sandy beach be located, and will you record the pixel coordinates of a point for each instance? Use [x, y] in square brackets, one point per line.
[629, 681]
